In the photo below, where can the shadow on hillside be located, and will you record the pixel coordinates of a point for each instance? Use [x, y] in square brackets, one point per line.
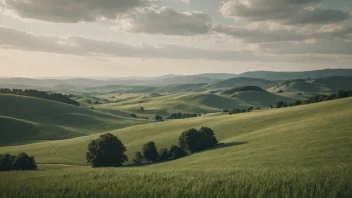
[219, 146]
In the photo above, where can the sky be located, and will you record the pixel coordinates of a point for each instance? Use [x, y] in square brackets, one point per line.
[119, 38]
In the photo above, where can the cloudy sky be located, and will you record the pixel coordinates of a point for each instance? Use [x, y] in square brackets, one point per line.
[111, 38]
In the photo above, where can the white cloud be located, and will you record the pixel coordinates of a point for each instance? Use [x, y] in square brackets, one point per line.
[19, 40]
[266, 32]
[165, 21]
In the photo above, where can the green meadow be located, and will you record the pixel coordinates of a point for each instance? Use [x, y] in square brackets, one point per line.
[302, 151]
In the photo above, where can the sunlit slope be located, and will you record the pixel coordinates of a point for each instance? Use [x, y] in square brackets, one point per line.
[308, 135]
[193, 102]
[27, 118]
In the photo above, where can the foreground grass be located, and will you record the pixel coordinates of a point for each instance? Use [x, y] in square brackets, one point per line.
[54, 181]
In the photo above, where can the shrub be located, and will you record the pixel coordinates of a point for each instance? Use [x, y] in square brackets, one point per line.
[150, 153]
[24, 162]
[106, 151]
[163, 154]
[138, 158]
[133, 115]
[176, 152]
[6, 161]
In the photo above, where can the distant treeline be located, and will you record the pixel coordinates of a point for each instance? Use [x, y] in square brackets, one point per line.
[315, 99]
[58, 97]
[183, 115]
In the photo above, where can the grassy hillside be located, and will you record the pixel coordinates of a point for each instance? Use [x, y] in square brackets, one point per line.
[239, 82]
[26, 118]
[191, 102]
[299, 136]
[302, 151]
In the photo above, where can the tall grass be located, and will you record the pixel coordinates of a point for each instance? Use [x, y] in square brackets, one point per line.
[130, 182]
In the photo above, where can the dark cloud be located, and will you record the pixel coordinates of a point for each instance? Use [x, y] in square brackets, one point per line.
[284, 11]
[71, 11]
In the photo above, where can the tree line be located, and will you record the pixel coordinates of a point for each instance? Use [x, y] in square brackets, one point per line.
[58, 97]
[315, 99]
[109, 151]
[22, 161]
[183, 115]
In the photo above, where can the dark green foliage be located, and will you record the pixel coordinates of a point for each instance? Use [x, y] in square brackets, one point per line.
[6, 161]
[133, 115]
[138, 158]
[193, 140]
[150, 152]
[241, 89]
[236, 111]
[343, 94]
[24, 162]
[279, 104]
[182, 116]
[209, 139]
[41, 94]
[315, 99]
[176, 152]
[163, 154]
[106, 151]
[159, 118]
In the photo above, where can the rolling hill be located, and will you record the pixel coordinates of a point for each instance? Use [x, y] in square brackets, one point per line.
[274, 76]
[239, 82]
[33, 119]
[303, 136]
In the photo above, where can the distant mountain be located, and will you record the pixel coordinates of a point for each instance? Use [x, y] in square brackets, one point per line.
[170, 79]
[269, 75]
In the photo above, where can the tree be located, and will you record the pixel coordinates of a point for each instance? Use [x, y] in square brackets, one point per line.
[141, 109]
[342, 94]
[163, 154]
[24, 162]
[188, 140]
[106, 151]
[280, 104]
[133, 115]
[150, 152]
[193, 140]
[138, 158]
[6, 161]
[176, 152]
[158, 118]
[210, 139]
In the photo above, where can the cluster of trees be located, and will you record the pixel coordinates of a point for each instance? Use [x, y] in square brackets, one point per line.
[182, 116]
[150, 153]
[108, 150]
[315, 99]
[22, 161]
[194, 140]
[58, 97]
[159, 118]
[237, 110]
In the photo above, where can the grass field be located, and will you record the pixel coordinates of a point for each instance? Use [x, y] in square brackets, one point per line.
[32, 119]
[302, 151]
[189, 102]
